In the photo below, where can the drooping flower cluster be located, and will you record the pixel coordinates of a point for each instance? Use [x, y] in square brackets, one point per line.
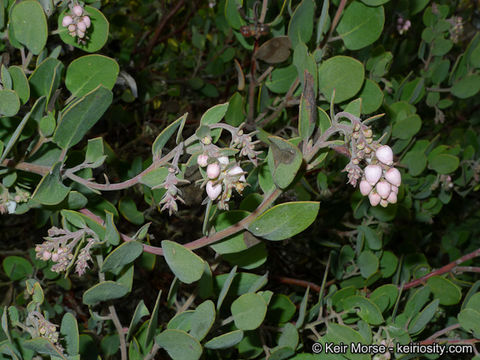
[173, 193]
[223, 177]
[38, 326]
[77, 22]
[9, 201]
[456, 30]
[60, 246]
[403, 25]
[381, 181]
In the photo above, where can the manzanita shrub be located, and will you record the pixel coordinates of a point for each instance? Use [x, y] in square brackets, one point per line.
[239, 179]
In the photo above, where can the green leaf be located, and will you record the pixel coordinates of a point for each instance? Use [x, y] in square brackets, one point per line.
[281, 309]
[202, 320]
[50, 190]
[86, 73]
[302, 310]
[16, 134]
[104, 291]
[184, 263]
[9, 103]
[470, 320]
[47, 125]
[295, 217]
[368, 310]
[343, 334]
[46, 78]
[467, 86]
[225, 341]
[179, 345]
[372, 97]
[281, 79]
[166, 134]
[69, 331]
[6, 78]
[300, 28]
[97, 34]
[368, 263]
[111, 233]
[373, 240]
[214, 115]
[361, 25]
[76, 120]
[446, 291]
[248, 311]
[155, 177]
[232, 14]
[122, 255]
[284, 161]
[418, 323]
[343, 74]
[41, 345]
[153, 322]
[235, 113]
[17, 268]
[405, 128]
[444, 163]
[233, 243]
[374, 2]
[226, 287]
[181, 321]
[29, 24]
[140, 311]
[307, 115]
[385, 296]
[20, 83]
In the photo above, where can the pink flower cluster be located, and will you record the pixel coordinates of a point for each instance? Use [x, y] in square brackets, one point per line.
[380, 181]
[77, 22]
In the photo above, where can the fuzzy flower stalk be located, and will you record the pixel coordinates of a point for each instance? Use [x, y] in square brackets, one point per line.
[60, 246]
[38, 326]
[379, 179]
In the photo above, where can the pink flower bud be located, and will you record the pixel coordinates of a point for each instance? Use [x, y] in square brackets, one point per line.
[81, 26]
[384, 203]
[213, 170]
[393, 176]
[72, 28]
[67, 20]
[383, 189]
[385, 154]
[365, 187]
[213, 191]
[54, 257]
[373, 173]
[87, 21]
[80, 34]
[374, 198]
[223, 160]
[395, 189]
[46, 255]
[237, 170]
[78, 10]
[202, 160]
[392, 198]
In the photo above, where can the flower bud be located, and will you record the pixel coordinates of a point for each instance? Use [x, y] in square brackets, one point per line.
[72, 33]
[80, 34]
[46, 255]
[385, 154]
[393, 176]
[77, 10]
[223, 160]
[395, 189]
[383, 188]
[213, 170]
[87, 21]
[384, 203]
[67, 20]
[365, 187]
[374, 198]
[54, 257]
[367, 133]
[72, 28]
[202, 160]
[392, 198]
[213, 191]
[373, 173]
[237, 170]
[368, 150]
[82, 26]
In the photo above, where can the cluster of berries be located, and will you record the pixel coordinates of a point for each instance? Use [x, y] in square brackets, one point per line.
[77, 22]
[221, 177]
[380, 181]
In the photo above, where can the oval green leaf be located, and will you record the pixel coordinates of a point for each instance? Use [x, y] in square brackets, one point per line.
[9, 103]
[184, 263]
[20, 83]
[285, 220]
[122, 255]
[225, 341]
[104, 291]
[179, 345]
[248, 311]
[29, 23]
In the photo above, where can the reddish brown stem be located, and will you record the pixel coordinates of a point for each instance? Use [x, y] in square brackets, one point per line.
[336, 19]
[443, 270]
[302, 283]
